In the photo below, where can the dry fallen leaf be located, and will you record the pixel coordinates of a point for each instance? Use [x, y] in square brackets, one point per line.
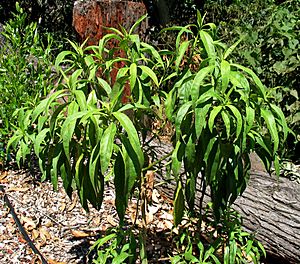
[149, 185]
[155, 196]
[62, 207]
[52, 261]
[17, 189]
[111, 221]
[168, 224]
[3, 175]
[28, 223]
[44, 234]
[71, 207]
[21, 239]
[35, 234]
[79, 234]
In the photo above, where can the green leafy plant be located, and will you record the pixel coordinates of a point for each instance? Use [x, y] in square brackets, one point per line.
[25, 70]
[116, 247]
[95, 122]
[221, 112]
[270, 45]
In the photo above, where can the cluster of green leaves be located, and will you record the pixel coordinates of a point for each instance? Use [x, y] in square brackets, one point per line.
[228, 243]
[81, 131]
[116, 247]
[270, 45]
[221, 112]
[90, 127]
[25, 70]
[53, 15]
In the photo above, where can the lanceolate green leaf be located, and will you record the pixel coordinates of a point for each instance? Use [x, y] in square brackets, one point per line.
[106, 146]
[198, 81]
[282, 120]
[132, 135]
[208, 44]
[39, 140]
[81, 99]
[250, 117]
[55, 162]
[180, 116]
[178, 204]
[150, 73]
[182, 50]
[212, 116]
[104, 85]
[200, 118]
[271, 124]
[225, 74]
[226, 121]
[238, 117]
[254, 77]
[231, 48]
[44, 104]
[133, 75]
[67, 131]
[94, 165]
[176, 160]
[154, 52]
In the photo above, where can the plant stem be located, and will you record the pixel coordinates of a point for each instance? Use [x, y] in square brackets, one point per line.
[158, 161]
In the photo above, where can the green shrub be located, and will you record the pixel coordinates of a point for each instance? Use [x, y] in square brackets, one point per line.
[89, 127]
[25, 71]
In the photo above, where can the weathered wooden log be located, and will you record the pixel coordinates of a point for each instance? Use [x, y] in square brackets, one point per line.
[270, 209]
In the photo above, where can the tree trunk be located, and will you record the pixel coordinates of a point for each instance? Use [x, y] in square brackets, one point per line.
[270, 208]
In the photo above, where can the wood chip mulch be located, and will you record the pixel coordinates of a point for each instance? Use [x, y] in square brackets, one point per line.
[60, 228]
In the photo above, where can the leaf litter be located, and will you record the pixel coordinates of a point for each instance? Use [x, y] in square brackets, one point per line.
[60, 228]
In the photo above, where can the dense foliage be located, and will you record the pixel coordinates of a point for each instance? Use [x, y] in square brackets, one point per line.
[270, 33]
[90, 127]
[25, 70]
[95, 125]
[53, 15]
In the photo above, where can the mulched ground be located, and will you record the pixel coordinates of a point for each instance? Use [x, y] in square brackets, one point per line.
[59, 227]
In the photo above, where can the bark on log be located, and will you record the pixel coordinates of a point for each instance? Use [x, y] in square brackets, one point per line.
[270, 208]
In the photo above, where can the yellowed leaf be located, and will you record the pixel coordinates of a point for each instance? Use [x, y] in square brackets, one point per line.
[52, 261]
[79, 234]
[28, 223]
[44, 234]
[111, 220]
[62, 207]
[71, 207]
[35, 234]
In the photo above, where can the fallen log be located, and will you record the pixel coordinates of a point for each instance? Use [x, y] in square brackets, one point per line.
[270, 209]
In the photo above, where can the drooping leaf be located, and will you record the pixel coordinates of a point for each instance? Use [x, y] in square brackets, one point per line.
[239, 119]
[106, 146]
[178, 204]
[213, 114]
[150, 73]
[132, 135]
[271, 125]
